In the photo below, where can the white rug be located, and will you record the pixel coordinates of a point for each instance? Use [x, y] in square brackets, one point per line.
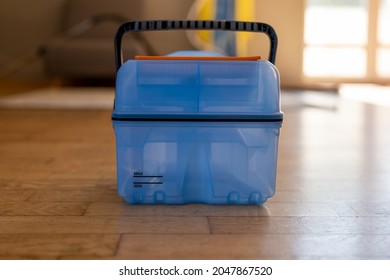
[102, 98]
[298, 99]
[362, 93]
[367, 93]
[62, 98]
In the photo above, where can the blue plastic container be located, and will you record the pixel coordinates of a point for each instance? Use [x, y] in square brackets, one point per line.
[196, 130]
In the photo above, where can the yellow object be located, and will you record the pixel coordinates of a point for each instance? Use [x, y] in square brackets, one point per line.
[245, 11]
[206, 10]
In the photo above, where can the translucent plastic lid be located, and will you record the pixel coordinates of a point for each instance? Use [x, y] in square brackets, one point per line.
[198, 88]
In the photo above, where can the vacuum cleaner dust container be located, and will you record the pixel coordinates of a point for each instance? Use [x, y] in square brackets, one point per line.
[196, 126]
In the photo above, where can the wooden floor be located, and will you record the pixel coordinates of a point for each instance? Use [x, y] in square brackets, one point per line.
[58, 195]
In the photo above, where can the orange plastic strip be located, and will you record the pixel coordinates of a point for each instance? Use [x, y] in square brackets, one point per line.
[145, 57]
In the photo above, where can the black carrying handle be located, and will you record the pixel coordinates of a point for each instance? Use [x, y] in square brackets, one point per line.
[155, 25]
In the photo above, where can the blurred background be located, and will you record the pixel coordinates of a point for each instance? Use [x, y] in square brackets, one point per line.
[322, 43]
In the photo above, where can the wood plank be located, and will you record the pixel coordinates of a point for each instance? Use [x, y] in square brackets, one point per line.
[76, 194]
[187, 210]
[254, 246]
[39, 161]
[65, 184]
[43, 208]
[271, 209]
[14, 195]
[301, 225]
[103, 224]
[53, 246]
[379, 194]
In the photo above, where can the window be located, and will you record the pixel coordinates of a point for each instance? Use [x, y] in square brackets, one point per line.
[383, 57]
[347, 40]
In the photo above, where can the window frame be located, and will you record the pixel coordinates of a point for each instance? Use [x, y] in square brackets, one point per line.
[371, 48]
